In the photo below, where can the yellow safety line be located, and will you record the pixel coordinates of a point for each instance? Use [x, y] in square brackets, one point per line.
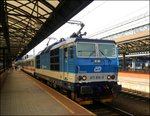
[76, 104]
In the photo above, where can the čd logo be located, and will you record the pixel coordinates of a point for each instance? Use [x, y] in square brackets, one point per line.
[97, 69]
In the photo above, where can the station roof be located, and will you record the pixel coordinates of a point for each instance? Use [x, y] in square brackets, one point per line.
[139, 42]
[25, 23]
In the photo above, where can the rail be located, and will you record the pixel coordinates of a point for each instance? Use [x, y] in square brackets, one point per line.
[120, 111]
[103, 109]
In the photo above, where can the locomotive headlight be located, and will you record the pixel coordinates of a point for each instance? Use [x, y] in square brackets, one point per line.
[84, 78]
[108, 77]
[113, 77]
[80, 78]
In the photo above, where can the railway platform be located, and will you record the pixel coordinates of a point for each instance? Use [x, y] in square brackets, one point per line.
[24, 95]
[135, 82]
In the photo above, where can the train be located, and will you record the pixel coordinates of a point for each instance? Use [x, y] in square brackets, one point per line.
[86, 68]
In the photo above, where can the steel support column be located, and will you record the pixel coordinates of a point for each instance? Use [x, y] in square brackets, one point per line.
[133, 63]
[123, 62]
[4, 23]
[4, 59]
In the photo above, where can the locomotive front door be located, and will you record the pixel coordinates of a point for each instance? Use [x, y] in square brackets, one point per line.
[65, 64]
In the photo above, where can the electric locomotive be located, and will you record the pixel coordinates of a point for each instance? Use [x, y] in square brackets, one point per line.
[87, 69]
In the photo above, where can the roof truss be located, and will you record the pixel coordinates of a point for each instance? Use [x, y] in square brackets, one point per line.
[23, 22]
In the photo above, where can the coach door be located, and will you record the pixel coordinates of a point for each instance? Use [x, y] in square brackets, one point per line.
[65, 64]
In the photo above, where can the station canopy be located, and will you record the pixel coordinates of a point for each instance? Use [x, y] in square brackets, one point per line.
[25, 23]
[136, 43]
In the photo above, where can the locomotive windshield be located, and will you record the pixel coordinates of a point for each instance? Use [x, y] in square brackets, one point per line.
[95, 50]
[106, 50]
[86, 50]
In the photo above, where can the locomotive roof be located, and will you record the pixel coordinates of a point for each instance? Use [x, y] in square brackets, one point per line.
[94, 40]
[70, 40]
[47, 49]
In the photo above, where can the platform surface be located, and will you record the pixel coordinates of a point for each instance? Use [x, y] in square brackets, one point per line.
[135, 81]
[22, 95]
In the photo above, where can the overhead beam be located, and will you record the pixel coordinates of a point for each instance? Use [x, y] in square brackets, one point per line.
[25, 15]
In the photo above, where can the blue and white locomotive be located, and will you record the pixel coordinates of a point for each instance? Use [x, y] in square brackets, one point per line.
[86, 68]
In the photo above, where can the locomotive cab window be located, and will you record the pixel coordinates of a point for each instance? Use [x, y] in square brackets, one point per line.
[86, 50]
[106, 50]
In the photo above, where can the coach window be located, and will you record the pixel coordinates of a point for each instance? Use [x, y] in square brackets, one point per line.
[71, 52]
[32, 63]
[65, 53]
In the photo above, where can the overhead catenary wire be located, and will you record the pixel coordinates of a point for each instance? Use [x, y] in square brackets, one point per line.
[59, 32]
[92, 10]
[100, 31]
[119, 25]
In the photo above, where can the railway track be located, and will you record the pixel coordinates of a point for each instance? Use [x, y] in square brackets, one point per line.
[136, 105]
[136, 93]
[133, 103]
[106, 110]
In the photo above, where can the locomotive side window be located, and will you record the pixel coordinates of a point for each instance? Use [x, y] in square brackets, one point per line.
[38, 61]
[31, 63]
[71, 52]
[86, 50]
[65, 53]
[54, 59]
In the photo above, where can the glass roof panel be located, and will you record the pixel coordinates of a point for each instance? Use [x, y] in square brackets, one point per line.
[16, 11]
[26, 9]
[43, 20]
[42, 12]
[22, 1]
[9, 8]
[30, 5]
[16, 18]
[25, 18]
[15, 3]
[54, 3]
[40, 5]
[47, 15]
